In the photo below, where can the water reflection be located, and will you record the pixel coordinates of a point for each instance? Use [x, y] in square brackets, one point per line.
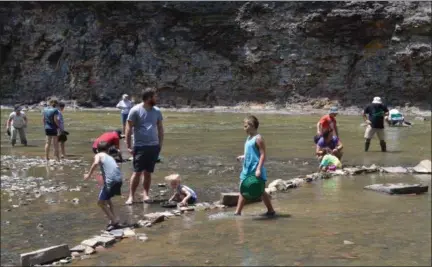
[247, 256]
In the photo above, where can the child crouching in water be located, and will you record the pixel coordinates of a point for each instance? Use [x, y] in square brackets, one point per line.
[329, 163]
[253, 162]
[112, 182]
[182, 193]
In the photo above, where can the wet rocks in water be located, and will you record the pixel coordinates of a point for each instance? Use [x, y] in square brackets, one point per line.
[45, 255]
[144, 223]
[117, 233]
[89, 251]
[155, 217]
[142, 237]
[229, 199]
[162, 185]
[189, 208]
[394, 170]
[399, 188]
[78, 248]
[99, 240]
[423, 167]
[127, 232]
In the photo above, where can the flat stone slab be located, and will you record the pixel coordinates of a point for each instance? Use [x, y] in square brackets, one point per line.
[78, 248]
[99, 240]
[394, 170]
[423, 167]
[46, 255]
[117, 233]
[127, 232]
[399, 188]
[229, 199]
[155, 217]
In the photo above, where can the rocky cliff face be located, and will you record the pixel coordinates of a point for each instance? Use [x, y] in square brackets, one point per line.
[217, 53]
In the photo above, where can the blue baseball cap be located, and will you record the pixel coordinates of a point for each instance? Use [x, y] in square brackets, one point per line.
[333, 110]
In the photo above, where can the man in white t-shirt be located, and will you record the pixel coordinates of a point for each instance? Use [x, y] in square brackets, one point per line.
[124, 105]
[16, 124]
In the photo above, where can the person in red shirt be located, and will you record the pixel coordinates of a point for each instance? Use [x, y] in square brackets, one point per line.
[113, 139]
[327, 123]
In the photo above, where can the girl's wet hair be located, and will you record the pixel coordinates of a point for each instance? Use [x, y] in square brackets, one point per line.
[252, 120]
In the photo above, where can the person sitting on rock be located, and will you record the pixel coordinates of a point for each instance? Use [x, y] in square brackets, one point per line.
[113, 139]
[112, 182]
[329, 163]
[182, 193]
[329, 144]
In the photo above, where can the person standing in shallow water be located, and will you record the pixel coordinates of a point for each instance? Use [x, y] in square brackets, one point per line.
[327, 123]
[50, 120]
[16, 124]
[253, 162]
[146, 121]
[374, 115]
[124, 105]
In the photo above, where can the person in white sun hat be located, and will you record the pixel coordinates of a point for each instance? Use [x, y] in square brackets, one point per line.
[374, 115]
[124, 105]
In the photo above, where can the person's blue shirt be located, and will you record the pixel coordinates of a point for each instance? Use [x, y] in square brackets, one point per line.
[49, 113]
[251, 159]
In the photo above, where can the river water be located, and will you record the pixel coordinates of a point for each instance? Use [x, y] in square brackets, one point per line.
[314, 220]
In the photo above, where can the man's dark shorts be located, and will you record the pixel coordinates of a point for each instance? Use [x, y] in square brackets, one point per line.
[145, 158]
[51, 132]
[107, 192]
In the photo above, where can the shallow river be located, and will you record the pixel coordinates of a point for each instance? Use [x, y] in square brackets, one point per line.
[314, 220]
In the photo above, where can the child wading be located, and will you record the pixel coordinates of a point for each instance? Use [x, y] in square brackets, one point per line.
[183, 194]
[253, 162]
[112, 182]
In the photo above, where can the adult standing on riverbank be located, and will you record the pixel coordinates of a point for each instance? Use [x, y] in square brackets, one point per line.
[51, 124]
[146, 121]
[327, 123]
[16, 124]
[374, 115]
[124, 105]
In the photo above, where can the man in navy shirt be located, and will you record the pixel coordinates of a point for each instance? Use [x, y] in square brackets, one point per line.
[374, 115]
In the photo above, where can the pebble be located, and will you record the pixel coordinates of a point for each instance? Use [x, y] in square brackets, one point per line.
[142, 237]
[75, 201]
[89, 251]
[346, 242]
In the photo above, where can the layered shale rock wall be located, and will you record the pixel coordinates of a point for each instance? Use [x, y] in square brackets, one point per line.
[216, 53]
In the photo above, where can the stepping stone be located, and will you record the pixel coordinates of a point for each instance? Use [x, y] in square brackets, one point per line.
[394, 170]
[229, 199]
[423, 167]
[89, 251]
[117, 233]
[78, 248]
[399, 188]
[45, 255]
[127, 232]
[99, 240]
[155, 217]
